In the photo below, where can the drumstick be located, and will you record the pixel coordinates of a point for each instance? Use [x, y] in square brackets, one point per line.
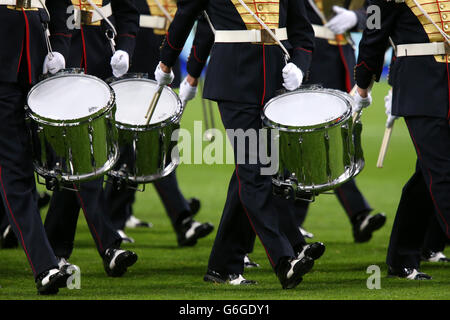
[384, 146]
[355, 114]
[153, 103]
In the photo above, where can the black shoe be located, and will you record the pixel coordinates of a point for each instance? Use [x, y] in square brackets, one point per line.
[249, 263]
[290, 272]
[366, 224]
[408, 273]
[8, 239]
[233, 279]
[314, 251]
[191, 230]
[66, 266]
[116, 261]
[43, 199]
[432, 256]
[50, 281]
[194, 205]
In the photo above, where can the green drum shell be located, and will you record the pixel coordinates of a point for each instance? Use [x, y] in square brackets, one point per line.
[74, 150]
[315, 159]
[152, 145]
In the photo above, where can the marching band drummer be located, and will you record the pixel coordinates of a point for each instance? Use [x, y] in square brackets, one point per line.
[332, 65]
[23, 52]
[153, 26]
[233, 80]
[202, 45]
[420, 32]
[91, 50]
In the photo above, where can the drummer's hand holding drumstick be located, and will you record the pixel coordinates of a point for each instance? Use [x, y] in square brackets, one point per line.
[188, 89]
[120, 62]
[164, 75]
[388, 105]
[363, 99]
[292, 76]
[54, 61]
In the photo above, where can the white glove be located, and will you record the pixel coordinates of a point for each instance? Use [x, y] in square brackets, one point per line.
[163, 78]
[187, 92]
[388, 105]
[361, 102]
[54, 63]
[120, 62]
[343, 21]
[293, 77]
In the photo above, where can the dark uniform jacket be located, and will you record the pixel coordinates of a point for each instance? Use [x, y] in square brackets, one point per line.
[421, 84]
[23, 40]
[91, 41]
[333, 62]
[244, 72]
[149, 41]
[201, 48]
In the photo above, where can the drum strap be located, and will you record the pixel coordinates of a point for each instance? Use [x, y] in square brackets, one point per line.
[269, 31]
[164, 10]
[113, 29]
[426, 15]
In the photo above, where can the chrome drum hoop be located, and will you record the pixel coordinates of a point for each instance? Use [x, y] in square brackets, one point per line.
[74, 150]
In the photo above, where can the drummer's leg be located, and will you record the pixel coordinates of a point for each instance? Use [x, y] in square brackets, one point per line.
[91, 199]
[177, 208]
[176, 205]
[255, 190]
[17, 181]
[358, 210]
[408, 231]
[119, 203]
[61, 222]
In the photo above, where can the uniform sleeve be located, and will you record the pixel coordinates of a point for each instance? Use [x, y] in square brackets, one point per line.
[361, 14]
[60, 35]
[373, 45]
[187, 13]
[127, 24]
[300, 35]
[201, 48]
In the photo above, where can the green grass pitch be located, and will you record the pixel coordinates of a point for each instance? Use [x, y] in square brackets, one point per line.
[165, 271]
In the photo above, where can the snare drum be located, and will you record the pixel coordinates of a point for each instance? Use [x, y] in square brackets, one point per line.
[71, 119]
[147, 149]
[318, 146]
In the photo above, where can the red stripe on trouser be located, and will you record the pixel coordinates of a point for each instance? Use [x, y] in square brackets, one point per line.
[431, 180]
[88, 221]
[28, 45]
[248, 216]
[348, 84]
[15, 222]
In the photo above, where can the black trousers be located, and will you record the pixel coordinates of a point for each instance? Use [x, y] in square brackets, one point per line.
[17, 181]
[350, 197]
[249, 207]
[428, 188]
[62, 218]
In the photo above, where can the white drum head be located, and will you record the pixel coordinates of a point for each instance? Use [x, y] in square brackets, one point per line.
[304, 109]
[69, 97]
[133, 97]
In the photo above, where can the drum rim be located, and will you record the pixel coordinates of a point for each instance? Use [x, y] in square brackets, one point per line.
[142, 127]
[71, 122]
[321, 126]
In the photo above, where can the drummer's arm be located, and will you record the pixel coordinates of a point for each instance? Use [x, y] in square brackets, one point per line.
[201, 48]
[187, 13]
[60, 35]
[300, 35]
[373, 46]
[361, 15]
[127, 24]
